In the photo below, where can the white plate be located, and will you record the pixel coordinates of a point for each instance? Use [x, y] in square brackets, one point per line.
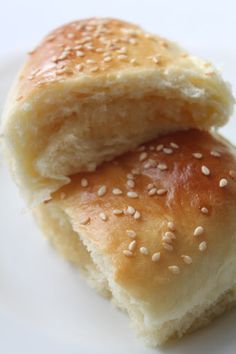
[47, 308]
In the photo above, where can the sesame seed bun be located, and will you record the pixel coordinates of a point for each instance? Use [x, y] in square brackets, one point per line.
[167, 258]
[96, 88]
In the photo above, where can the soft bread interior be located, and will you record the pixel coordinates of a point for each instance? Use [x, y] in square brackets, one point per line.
[70, 133]
[57, 228]
[99, 273]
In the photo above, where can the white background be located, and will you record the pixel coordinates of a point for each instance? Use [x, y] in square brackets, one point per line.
[192, 23]
[45, 307]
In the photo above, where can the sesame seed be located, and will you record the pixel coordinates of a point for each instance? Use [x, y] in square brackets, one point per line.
[197, 155]
[99, 50]
[95, 68]
[174, 269]
[161, 191]
[127, 253]
[156, 256]
[89, 46]
[102, 190]
[54, 59]
[62, 56]
[167, 246]
[117, 211]
[223, 183]
[151, 148]
[132, 245]
[143, 250]
[133, 61]
[130, 176]
[147, 165]
[174, 145]
[132, 194]
[84, 182]
[135, 171]
[122, 50]
[170, 235]
[85, 220]
[132, 41]
[90, 61]
[187, 259]
[162, 166]
[117, 191]
[204, 210]
[143, 156]
[202, 246]
[79, 53]
[103, 216]
[131, 233]
[166, 238]
[171, 225]
[198, 231]
[150, 163]
[232, 174]
[155, 60]
[150, 186]
[79, 67]
[215, 153]
[122, 57]
[130, 210]
[137, 215]
[159, 147]
[130, 183]
[168, 151]
[205, 170]
[86, 36]
[152, 191]
[107, 59]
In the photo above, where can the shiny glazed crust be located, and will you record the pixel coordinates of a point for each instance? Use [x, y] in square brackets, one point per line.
[99, 47]
[96, 88]
[168, 239]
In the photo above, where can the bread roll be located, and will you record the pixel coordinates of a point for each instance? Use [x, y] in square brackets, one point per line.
[159, 226]
[96, 88]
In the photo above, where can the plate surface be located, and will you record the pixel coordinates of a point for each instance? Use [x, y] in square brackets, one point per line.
[46, 307]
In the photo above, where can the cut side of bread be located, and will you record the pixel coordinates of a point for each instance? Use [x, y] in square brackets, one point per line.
[95, 89]
[155, 230]
[57, 228]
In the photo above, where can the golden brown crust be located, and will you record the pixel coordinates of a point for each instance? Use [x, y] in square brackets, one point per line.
[92, 47]
[185, 187]
[85, 88]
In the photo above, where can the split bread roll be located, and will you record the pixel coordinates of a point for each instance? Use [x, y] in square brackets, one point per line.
[156, 230]
[97, 88]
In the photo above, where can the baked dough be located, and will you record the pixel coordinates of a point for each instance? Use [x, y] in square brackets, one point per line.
[96, 88]
[157, 230]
